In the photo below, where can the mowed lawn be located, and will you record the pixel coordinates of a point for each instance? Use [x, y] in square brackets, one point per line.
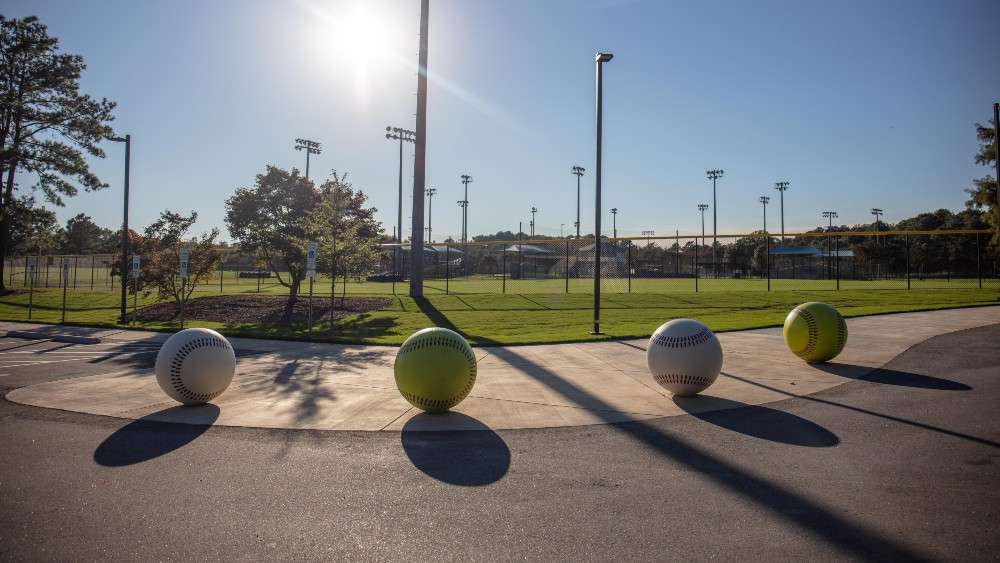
[523, 318]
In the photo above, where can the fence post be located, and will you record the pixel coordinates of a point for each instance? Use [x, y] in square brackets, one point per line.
[979, 268]
[222, 273]
[567, 265]
[696, 273]
[767, 258]
[628, 264]
[447, 267]
[836, 256]
[503, 275]
[907, 240]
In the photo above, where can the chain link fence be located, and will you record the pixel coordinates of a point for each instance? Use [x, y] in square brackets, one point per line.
[663, 264]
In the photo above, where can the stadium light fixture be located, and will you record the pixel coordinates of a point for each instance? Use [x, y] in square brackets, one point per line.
[782, 187]
[614, 222]
[877, 212]
[830, 215]
[430, 214]
[464, 204]
[533, 211]
[599, 59]
[714, 175]
[403, 136]
[702, 207]
[311, 147]
[578, 171]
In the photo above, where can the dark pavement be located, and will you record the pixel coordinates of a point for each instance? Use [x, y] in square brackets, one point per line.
[902, 465]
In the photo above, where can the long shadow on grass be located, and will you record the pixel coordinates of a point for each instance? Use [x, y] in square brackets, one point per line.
[441, 320]
[849, 537]
[155, 435]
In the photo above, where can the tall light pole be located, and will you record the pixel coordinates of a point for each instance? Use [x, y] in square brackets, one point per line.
[702, 207]
[878, 214]
[561, 225]
[578, 172]
[767, 240]
[430, 214]
[599, 61]
[781, 187]
[311, 147]
[996, 157]
[830, 215]
[614, 222]
[715, 175]
[464, 204]
[403, 136]
[419, 162]
[533, 211]
[127, 139]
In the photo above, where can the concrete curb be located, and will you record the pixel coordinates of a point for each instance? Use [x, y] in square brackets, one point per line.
[67, 338]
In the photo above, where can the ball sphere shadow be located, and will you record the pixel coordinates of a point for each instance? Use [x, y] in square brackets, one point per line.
[758, 421]
[885, 376]
[155, 435]
[469, 454]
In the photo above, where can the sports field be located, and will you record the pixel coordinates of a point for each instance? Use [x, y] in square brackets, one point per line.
[536, 316]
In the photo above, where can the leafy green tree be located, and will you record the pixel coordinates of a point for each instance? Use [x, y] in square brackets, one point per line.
[983, 194]
[159, 248]
[46, 124]
[82, 236]
[283, 212]
[35, 229]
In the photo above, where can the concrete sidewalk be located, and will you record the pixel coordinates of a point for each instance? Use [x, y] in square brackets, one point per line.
[350, 387]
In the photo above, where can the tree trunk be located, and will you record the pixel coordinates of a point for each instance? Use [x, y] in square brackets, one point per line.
[293, 297]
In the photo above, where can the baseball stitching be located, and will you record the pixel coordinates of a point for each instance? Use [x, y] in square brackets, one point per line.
[177, 364]
[447, 342]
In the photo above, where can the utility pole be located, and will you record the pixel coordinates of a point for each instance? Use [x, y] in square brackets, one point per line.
[996, 158]
[464, 204]
[419, 162]
[781, 187]
[830, 215]
[578, 172]
[533, 211]
[311, 147]
[614, 221]
[702, 207]
[878, 214]
[430, 214]
[127, 139]
[403, 136]
[599, 61]
[715, 175]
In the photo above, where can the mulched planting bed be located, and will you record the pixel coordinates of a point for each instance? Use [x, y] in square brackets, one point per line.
[260, 309]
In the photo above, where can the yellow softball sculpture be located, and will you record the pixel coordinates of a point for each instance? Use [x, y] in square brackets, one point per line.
[815, 332]
[435, 369]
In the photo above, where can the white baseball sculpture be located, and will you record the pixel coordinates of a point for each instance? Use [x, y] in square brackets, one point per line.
[195, 366]
[684, 356]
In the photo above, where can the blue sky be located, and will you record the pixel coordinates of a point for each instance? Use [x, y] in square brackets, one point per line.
[858, 104]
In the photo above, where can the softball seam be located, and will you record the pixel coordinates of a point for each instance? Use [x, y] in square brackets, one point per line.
[177, 364]
[813, 330]
[695, 339]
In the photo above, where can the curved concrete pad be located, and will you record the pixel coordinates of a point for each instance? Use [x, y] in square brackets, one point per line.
[344, 387]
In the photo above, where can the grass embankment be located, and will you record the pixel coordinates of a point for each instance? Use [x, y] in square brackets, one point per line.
[523, 318]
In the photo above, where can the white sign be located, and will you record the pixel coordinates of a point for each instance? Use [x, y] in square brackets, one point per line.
[135, 267]
[311, 260]
[184, 263]
[65, 267]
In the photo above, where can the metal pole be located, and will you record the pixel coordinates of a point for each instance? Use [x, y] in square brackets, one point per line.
[677, 258]
[310, 302]
[31, 288]
[836, 255]
[65, 276]
[76, 263]
[628, 264]
[93, 262]
[979, 268]
[135, 299]
[503, 276]
[447, 268]
[696, 249]
[567, 266]
[597, 199]
[907, 240]
[183, 291]
[222, 273]
[996, 160]
[715, 261]
[124, 258]
[419, 163]
[578, 205]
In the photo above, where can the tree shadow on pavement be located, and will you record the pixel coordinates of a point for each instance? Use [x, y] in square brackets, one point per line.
[886, 376]
[847, 535]
[471, 457]
[155, 435]
[758, 421]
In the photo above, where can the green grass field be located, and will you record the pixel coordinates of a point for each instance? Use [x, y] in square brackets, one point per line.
[537, 316]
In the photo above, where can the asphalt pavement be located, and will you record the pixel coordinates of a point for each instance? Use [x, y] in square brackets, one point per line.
[901, 465]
